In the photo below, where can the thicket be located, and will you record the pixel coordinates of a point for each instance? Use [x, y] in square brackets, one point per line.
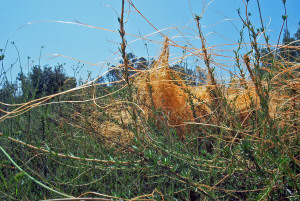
[150, 131]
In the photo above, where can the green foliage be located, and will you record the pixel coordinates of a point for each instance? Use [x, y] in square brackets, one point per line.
[291, 52]
[44, 82]
[116, 73]
[63, 145]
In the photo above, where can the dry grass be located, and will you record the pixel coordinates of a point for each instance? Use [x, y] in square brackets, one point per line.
[245, 128]
[164, 90]
[162, 94]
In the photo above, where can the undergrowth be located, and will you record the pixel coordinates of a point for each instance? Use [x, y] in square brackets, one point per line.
[154, 135]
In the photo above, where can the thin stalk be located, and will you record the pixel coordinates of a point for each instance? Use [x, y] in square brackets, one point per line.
[256, 74]
[284, 17]
[205, 53]
[263, 28]
[126, 65]
[215, 91]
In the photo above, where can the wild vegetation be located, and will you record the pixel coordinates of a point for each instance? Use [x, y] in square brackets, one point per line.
[151, 130]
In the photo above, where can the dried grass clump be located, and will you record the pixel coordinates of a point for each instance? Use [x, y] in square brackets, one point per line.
[110, 128]
[284, 100]
[158, 91]
[163, 95]
[202, 100]
[244, 101]
[115, 133]
[164, 90]
[116, 129]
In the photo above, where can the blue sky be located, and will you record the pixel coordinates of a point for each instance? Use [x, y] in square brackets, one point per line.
[98, 46]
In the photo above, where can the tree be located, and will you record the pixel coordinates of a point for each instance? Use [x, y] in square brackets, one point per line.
[43, 82]
[290, 52]
[8, 92]
[193, 77]
[136, 64]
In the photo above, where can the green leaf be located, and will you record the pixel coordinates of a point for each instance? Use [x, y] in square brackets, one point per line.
[19, 176]
[284, 17]
[2, 57]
